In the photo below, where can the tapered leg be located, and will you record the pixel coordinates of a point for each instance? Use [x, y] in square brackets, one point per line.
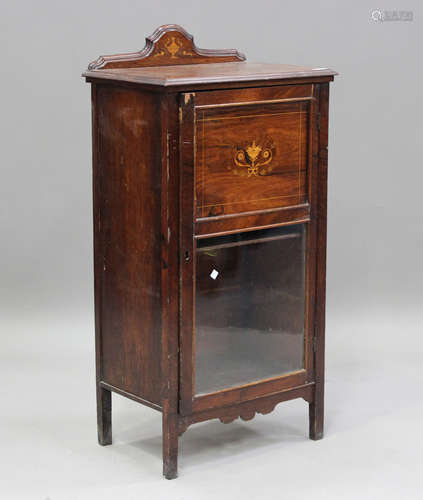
[170, 446]
[104, 416]
[316, 414]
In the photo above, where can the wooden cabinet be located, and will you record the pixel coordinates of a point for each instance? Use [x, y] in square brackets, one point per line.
[210, 178]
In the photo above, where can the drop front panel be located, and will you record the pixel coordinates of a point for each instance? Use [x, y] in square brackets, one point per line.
[251, 157]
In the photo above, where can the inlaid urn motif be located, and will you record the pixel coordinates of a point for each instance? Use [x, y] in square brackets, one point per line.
[253, 159]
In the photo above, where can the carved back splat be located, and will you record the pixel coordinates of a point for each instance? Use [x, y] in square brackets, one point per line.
[169, 45]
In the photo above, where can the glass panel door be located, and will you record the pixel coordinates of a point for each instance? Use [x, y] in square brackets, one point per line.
[249, 307]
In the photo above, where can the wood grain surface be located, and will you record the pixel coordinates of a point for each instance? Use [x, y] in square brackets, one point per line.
[230, 178]
[128, 259]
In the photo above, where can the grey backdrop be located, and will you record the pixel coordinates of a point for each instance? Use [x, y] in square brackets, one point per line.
[375, 244]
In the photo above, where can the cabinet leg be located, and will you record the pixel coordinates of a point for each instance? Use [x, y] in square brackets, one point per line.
[104, 416]
[170, 446]
[316, 415]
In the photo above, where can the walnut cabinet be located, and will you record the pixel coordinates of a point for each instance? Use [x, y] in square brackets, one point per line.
[209, 181]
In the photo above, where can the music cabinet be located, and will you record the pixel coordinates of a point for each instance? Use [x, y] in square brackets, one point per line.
[209, 180]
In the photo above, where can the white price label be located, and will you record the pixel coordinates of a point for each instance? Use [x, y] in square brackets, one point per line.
[214, 274]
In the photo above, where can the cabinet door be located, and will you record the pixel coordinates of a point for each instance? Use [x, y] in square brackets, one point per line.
[246, 295]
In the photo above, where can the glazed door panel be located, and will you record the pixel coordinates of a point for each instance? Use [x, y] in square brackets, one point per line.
[249, 307]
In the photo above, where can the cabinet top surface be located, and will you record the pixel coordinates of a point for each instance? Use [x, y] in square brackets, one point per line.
[194, 74]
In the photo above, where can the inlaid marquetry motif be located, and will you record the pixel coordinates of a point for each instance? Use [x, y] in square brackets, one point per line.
[173, 48]
[253, 160]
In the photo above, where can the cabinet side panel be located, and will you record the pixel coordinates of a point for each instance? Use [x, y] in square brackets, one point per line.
[129, 210]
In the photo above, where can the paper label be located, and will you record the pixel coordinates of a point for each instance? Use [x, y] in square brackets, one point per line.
[214, 274]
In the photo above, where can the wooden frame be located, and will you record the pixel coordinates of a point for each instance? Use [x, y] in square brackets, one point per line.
[145, 271]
